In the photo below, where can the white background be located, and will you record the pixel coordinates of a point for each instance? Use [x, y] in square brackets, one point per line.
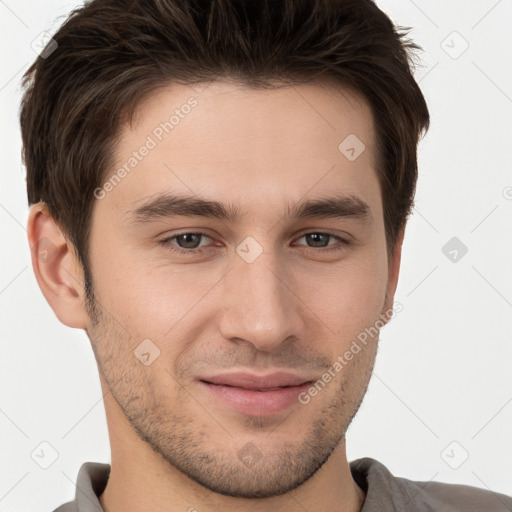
[443, 371]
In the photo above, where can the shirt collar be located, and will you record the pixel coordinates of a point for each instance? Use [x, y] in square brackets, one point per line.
[91, 481]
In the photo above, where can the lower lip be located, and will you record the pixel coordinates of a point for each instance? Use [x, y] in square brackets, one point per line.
[256, 403]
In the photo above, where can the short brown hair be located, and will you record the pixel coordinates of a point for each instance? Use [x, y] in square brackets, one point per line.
[111, 53]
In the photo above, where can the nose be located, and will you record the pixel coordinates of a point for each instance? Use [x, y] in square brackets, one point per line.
[262, 304]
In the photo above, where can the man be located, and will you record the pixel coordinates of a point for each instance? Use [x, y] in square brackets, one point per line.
[219, 192]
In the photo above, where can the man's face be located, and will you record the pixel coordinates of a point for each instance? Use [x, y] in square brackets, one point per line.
[268, 291]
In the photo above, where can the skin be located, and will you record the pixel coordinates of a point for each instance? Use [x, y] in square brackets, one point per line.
[296, 307]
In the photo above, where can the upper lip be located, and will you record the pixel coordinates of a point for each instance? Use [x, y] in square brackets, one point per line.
[252, 381]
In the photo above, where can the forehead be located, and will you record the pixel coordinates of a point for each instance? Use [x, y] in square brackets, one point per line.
[253, 147]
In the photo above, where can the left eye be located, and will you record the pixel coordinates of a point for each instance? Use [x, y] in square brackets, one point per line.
[319, 238]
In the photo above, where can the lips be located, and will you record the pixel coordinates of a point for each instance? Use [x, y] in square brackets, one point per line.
[254, 382]
[255, 395]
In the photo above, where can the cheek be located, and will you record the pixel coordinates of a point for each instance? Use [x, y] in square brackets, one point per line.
[156, 301]
[349, 298]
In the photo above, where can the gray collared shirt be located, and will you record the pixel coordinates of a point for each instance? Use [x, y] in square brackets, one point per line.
[384, 492]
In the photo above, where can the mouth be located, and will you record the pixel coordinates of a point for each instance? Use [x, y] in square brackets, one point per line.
[245, 380]
[254, 395]
[251, 388]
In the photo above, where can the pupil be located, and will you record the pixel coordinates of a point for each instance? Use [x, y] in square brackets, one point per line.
[188, 238]
[317, 238]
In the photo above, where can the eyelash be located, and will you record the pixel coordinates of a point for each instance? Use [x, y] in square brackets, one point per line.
[166, 242]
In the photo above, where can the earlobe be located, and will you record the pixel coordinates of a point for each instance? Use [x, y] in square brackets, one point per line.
[56, 267]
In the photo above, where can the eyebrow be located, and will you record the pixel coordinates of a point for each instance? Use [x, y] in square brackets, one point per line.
[164, 206]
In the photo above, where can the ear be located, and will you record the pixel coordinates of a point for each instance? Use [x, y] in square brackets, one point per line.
[57, 268]
[393, 272]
